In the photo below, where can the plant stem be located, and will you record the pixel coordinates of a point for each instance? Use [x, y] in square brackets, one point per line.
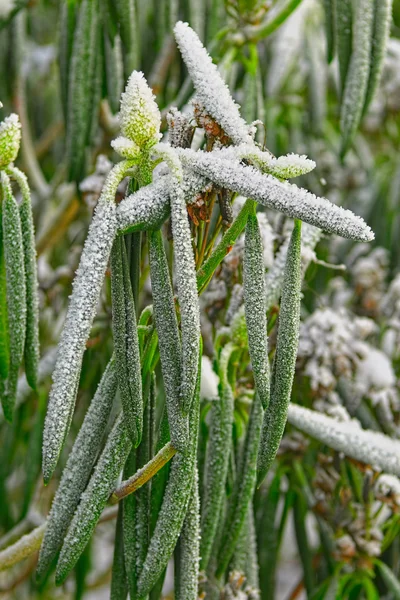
[205, 273]
[144, 474]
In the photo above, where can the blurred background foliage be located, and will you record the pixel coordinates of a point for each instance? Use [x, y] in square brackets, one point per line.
[326, 526]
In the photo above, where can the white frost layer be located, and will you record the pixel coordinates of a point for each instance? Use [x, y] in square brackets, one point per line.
[367, 446]
[212, 91]
[278, 195]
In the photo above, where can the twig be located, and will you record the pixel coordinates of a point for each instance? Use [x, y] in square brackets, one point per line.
[144, 474]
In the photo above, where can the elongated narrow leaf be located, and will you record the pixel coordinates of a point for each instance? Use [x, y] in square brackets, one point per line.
[212, 91]
[79, 466]
[114, 70]
[279, 195]
[366, 446]
[4, 339]
[94, 498]
[244, 489]
[343, 26]
[380, 35]
[126, 343]
[187, 294]
[81, 86]
[80, 315]
[187, 551]
[358, 74]
[217, 459]
[16, 291]
[168, 339]
[174, 506]
[31, 349]
[68, 13]
[130, 33]
[285, 357]
[119, 585]
[148, 208]
[330, 9]
[255, 309]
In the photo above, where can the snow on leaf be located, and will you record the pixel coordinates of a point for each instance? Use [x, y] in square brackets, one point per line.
[279, 195]
[187, 294]
[285, 357]
[31, 351]
[15, 291]
[212, 91]
[367, 446]
[81, 311]
[255, 309]
[149, 207]
[79, 466]
[94, 498]
[168, 338]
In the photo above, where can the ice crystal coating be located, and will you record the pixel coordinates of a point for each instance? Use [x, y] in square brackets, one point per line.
[149, 207]
[81, 311]
[283, 167]
[217, 460]
[370, 447]
[212, 91]
[125, 147]
[79, 466]
[285, 357]
[279, 195]
[187, 295]
[15, 291]
[126, 342]
[94, 498]
[10, 139]
[255, 308]
[139, 117]
[187, 575]
[168, 338]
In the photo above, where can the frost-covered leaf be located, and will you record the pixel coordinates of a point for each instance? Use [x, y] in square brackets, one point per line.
[217, 459]
[283, 167]
[79, 466]
[174, 506]
[10, 139]
[279, 195]
[367, 446]
[81, 311]
[149, 207]
[212, 91]
[255, 308]
[15, 291]
[380, 35]
[358, 73]
[187, 294]
[31, 350]
[168, 338]
[126, 342]
[243, 492]
[139, 117]
[285, 357]
[187, 555]
[94, 498]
